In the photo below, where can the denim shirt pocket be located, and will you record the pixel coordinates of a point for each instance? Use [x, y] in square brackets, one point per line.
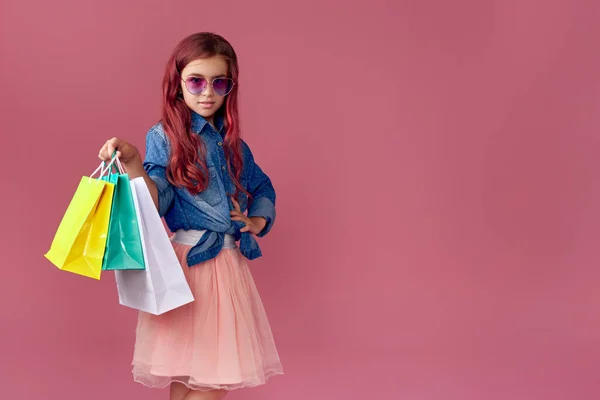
[212, 194]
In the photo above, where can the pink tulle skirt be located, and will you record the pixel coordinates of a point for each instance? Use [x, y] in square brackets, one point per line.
[222, 340]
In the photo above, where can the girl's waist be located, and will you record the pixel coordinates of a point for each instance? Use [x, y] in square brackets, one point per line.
[192, 237]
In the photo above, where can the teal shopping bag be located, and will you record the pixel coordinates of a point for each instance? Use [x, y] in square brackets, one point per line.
[123, 242]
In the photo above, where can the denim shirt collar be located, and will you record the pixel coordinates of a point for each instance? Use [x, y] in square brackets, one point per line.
[199, 123]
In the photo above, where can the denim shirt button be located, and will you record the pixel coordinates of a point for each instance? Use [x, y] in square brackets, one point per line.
[223, 168]
[220, 144]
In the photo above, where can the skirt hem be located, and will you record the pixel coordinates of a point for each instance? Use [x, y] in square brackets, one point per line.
[208, 387]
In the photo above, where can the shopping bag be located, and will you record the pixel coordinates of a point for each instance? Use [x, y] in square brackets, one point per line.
[123, 243]
[162, 286]
[79, 242]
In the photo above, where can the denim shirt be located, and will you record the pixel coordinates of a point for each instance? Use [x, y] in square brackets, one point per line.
[209, 209]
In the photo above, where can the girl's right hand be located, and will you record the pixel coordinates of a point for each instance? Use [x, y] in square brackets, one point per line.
[125, 151]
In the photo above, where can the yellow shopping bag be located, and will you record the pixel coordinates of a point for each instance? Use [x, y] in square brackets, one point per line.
[80, 240]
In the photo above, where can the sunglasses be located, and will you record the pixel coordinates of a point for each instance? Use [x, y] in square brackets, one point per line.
[196, 85]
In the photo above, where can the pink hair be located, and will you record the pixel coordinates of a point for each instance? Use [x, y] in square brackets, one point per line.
[187, 166]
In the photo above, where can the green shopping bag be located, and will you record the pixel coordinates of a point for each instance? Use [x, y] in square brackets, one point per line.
[123, 243]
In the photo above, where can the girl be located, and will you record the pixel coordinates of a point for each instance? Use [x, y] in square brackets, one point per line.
[203, 179]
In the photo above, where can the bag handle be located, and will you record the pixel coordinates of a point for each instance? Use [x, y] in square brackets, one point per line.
[112, 167]
[108, 167]
[103, 168]
[119, 166]
[100, 168]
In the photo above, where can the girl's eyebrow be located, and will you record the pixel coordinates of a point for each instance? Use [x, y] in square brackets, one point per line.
[202, 76]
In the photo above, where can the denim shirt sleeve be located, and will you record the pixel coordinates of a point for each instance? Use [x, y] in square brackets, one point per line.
[155, 163]
[260, 187]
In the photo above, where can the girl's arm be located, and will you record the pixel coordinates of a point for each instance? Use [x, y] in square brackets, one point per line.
[152, 169]
[261, 188]
[135, 169]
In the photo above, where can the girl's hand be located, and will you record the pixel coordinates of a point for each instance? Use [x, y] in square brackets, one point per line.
[126, 152]
[254, 225]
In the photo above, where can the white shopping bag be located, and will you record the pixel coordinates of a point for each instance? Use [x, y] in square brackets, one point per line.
[162, 286]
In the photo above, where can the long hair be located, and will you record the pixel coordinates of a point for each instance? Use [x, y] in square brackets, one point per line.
[187, 165]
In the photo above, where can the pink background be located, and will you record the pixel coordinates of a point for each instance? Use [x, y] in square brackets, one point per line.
[437, 170]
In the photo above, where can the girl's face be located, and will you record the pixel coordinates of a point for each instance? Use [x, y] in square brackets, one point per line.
[203, 83]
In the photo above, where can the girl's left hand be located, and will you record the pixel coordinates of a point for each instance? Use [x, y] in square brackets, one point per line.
[253, 224]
